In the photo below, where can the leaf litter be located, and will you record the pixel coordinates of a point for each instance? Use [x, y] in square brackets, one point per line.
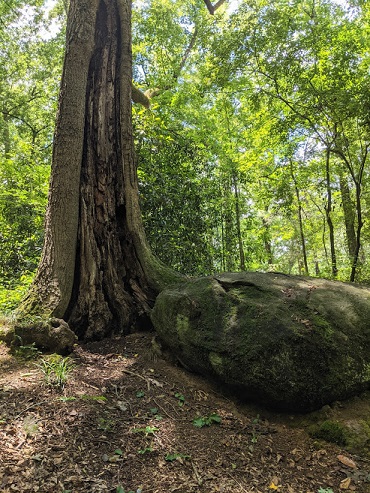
[124, 421]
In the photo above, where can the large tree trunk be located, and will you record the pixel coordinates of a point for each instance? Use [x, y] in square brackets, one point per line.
[97, 272]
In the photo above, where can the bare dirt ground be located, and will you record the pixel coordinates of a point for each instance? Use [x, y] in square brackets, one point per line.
[124, 422]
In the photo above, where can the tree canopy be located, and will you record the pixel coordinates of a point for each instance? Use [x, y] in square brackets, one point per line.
[252, 155]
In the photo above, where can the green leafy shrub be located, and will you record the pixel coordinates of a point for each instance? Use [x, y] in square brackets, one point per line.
[27, 352]
[12, 294]
[207, 420]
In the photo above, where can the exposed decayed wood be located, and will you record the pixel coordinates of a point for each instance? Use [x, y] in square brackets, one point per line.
[97, 270]
[109, 290]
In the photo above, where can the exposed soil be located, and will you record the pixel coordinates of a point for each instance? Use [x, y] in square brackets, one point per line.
[124, 422]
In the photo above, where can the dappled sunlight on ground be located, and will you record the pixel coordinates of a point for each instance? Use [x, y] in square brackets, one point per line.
[128, 418]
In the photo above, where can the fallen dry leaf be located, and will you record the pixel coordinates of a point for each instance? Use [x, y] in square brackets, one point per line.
[345, 483]
[347, 461]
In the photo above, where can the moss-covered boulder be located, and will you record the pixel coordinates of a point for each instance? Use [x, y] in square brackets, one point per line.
[50, 334]
[289, 342]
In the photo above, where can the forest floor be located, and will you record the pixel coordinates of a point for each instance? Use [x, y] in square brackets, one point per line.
[128, 421]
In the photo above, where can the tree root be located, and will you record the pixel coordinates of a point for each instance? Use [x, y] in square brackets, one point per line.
[50, 334]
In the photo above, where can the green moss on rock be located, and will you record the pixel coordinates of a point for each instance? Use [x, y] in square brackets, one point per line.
[330, 431]
[290, 342]
[49, 334]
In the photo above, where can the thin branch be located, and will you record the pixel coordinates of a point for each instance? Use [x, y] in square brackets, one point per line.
[10, 115]
[145, 97]
[139, 97]
[187, 53]
[212, 8]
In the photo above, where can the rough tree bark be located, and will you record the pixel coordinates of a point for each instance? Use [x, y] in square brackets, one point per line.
[97, 273]
[238, 221]
[349, 216]
[328, 210]
[357, 176]
[300, 220]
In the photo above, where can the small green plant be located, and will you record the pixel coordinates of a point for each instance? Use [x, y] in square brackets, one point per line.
[96, 398]
[121, 489]
[154, 412]
[180, 398]
[254, 438]
[145, 450]
[140, 394]
[25, 351]
[207, 420]
[56, 370]
[67, 399]
[105, 424]
[175, 456]
[148, 430]
[115, 457]
[325, 490]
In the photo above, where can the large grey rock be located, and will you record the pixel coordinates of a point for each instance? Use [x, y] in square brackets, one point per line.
[52, 334]
[292, 343]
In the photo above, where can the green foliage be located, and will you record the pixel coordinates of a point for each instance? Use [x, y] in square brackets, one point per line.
[105, 424]
[176, 456]
[254, 438]
[207, 420]
[145, 450]
[180, 398]
[56, 369]
[176, 193]
[155, 413]
[27, 352]
[30, 63]
[121, 489]
[12, 293]
[96, 398]
[330, 431]
[148, 430]
[325, 490]
[246, 107]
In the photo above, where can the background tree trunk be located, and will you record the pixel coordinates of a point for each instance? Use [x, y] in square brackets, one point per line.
[97, 272]
[300, 221]
[238, 220]
[328, 211]
[349, 216]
